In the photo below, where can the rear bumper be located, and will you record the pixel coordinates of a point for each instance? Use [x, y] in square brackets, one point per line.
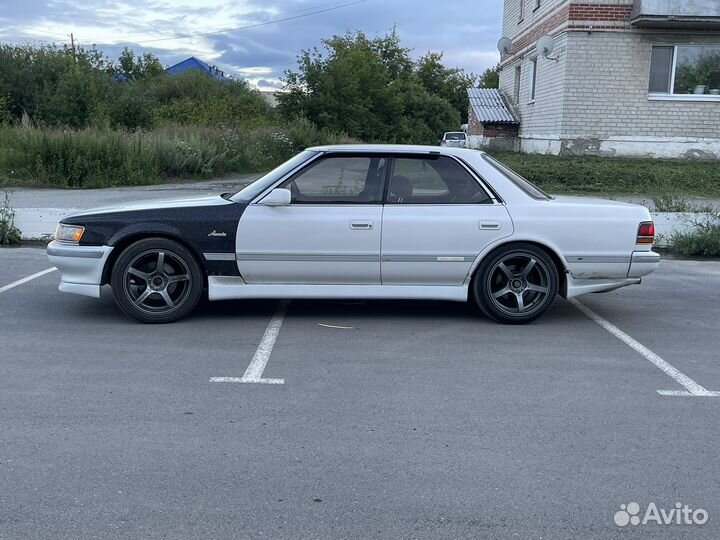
[643, 263]
[576, 287]
[81, 267]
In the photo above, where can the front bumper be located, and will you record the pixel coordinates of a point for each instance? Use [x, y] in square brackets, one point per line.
[81, 267]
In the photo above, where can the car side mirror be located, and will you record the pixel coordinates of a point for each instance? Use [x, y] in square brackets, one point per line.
[277, 197]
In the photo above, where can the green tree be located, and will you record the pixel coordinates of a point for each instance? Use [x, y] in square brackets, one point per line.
[490, 78]
[137, 67]
[51, 84]
[448, 83]
[369, 88]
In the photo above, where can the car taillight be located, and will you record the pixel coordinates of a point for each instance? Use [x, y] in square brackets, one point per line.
[646, 233]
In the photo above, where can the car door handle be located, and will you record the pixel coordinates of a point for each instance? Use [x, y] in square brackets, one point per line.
[488, 225]
[361, 224]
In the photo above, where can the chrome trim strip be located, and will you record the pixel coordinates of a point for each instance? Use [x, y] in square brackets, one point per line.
[81, 252]
[646, 257]
[597, 259]
[297, 257]
[328, 257]
[219, 256]
[428, 258]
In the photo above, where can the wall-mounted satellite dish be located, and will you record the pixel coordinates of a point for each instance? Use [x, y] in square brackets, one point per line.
[504, 45]
[545, 46]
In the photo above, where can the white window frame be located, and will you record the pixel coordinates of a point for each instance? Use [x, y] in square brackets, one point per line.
[517, 83]
[672, 96]
[533, 78]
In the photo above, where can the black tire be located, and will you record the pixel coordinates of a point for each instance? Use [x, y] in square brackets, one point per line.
[156, 280]
[516, 284]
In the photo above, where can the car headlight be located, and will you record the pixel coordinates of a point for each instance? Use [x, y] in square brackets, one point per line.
[69, 233]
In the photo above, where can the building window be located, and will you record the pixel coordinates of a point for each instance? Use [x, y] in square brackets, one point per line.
[691, 71]
[533, 78]
[537, 4]
[522, 10]
[516, 84]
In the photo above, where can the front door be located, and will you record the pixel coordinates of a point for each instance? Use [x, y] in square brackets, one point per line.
[328, 234]
[437, 220]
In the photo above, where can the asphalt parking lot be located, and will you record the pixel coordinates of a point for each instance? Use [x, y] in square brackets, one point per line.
[393, 419]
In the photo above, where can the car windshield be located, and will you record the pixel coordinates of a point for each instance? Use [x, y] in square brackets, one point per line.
[455, 136]
[523, 183]
[249, 192]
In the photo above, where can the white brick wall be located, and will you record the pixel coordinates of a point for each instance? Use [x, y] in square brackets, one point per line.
[513, 26]
[595, 98]
[541, 119]
[606, 91]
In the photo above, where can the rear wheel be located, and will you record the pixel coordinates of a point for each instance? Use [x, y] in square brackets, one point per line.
[156, 280]
[516, 284]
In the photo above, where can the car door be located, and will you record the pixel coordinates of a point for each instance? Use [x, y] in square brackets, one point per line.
[328, 234]
[437, 219]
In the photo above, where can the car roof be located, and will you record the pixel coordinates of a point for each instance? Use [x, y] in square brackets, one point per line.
[396, 149]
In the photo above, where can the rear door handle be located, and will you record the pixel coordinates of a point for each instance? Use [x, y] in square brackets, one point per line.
[488, 225]
[361, 224]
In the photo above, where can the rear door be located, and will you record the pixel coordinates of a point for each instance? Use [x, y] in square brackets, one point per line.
[328, 234]
[437, 219]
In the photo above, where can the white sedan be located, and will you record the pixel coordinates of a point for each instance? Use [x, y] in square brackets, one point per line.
[361, 221]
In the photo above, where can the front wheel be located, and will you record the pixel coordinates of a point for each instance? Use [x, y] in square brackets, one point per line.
[516, 284]
[156, 280]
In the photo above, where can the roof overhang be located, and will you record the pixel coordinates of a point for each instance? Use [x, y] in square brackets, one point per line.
[676, 14]
[675, 22]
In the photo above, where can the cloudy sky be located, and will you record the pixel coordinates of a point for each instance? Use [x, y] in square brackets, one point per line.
[465, 30]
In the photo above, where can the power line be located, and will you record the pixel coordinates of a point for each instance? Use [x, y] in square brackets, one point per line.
[41, 31]
[256, 25]
[315, 11]
[25, 31]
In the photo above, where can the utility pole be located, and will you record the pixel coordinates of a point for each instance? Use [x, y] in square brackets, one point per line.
[72, 45]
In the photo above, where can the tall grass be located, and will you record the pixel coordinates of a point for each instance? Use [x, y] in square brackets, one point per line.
[603, 175]
[106, 157]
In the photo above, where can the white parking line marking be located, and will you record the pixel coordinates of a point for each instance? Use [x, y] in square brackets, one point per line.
[693, 388]
[253, 373]
[26, 279]
[244, 380]
[337, 327]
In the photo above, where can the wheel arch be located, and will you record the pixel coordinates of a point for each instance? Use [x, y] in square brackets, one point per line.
[551, 252]
[123, 242]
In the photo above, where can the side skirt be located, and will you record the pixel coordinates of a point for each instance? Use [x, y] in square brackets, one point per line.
[231, 288]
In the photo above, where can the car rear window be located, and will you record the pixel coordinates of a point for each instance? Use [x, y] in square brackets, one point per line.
[523, 183]
[454, 136]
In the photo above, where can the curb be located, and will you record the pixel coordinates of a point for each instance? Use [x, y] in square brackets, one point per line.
[39, 223]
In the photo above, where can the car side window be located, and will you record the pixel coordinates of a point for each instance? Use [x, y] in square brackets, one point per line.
[339, 180]
[433, 180]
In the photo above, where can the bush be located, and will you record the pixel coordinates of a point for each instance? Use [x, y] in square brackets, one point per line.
[96, 157]
[702, 241]
[9, 234]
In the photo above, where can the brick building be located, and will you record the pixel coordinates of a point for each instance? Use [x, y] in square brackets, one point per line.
[626, 77]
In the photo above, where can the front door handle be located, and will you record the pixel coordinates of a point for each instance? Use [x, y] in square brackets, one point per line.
[488, 225]
[361, 224]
